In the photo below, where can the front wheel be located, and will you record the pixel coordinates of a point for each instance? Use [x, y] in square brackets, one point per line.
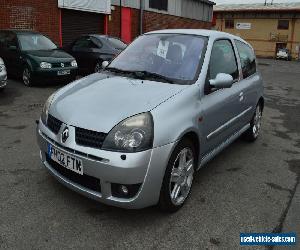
[98, 67]
[253, 132]
[27, 77]
[178, 177]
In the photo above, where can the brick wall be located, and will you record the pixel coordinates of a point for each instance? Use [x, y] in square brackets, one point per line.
[155, 21]
[114, 23]
[152, 21]
[38, 15]
[43, 16]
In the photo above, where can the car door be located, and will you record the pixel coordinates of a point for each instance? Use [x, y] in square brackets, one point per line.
[10, 52]
[84, 50]
[221, 107]
[251, 79]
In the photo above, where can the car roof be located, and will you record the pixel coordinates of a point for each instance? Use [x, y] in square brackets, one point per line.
[103, 36]
[16, 31]
[200, 32]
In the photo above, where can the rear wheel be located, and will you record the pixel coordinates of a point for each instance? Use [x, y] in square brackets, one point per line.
[178, 177]
[27, 77]
[253, 132]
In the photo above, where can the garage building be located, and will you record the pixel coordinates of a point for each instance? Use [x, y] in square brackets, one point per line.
[267, 27]
[64, 20]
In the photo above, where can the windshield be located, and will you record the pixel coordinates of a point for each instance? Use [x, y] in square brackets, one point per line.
[173, 56]
[35, 42]
[283, 50]
[116, 43]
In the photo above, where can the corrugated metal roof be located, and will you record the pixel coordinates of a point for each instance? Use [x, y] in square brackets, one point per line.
[258, 7]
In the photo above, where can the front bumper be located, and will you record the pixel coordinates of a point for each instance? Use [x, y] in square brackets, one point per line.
[281, 57]
[146, 167]
[52, 74]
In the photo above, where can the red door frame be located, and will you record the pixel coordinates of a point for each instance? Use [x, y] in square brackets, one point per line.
[126, 25]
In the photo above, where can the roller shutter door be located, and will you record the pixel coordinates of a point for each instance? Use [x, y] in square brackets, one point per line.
[76, 23]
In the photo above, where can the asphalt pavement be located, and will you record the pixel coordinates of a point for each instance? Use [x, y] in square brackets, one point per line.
[249, 187]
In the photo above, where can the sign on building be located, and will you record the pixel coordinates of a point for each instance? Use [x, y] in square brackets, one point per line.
[98, 6]
[243, 26]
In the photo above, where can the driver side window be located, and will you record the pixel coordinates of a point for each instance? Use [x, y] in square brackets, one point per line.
[223, 60]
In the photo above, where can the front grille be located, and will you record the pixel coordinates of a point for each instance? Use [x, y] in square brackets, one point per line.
[84, 180]
[59, 65]
[89, 138]
[53, 124]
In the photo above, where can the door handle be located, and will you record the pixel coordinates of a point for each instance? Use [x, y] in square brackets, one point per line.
[241, 96]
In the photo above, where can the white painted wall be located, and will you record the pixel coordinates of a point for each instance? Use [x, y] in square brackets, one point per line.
[98, 6]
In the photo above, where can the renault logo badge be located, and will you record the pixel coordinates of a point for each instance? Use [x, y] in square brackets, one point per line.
[65, 135]
[62, 65]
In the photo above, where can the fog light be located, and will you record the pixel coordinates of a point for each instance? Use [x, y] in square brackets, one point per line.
[124, 189]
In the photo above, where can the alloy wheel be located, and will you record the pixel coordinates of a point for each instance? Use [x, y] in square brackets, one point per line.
[26, 77]
[257, 121]
[181, 176]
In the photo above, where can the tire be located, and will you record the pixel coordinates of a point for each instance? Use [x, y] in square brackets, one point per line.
[255, 125]
[178, 177]
[98, 67]
[27, 77]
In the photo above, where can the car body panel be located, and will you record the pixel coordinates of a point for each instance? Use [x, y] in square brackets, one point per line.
[100, 101]
[147, 167]
[284, 54]
[87, 58]
[133, 96]
[17, 59]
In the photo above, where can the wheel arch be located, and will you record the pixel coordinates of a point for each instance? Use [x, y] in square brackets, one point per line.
[261, 101]
[194, 138]
[28, 63]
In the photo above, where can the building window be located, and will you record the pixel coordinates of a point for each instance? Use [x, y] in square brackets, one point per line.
[283, 24]
[229, 24]
[159, 4]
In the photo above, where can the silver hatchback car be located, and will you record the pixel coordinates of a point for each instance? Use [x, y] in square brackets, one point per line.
[133, 135]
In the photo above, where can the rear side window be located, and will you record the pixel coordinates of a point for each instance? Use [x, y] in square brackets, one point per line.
[223, 60]
[116, 43]
[247, 59]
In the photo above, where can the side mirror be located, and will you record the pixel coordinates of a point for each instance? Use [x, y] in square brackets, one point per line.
[105, 64]
[222, 80]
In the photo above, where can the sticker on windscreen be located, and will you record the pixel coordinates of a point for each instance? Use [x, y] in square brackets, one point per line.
[162, 49]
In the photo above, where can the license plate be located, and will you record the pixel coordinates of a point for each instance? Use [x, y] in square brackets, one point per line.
[63, 72]
[65, 160]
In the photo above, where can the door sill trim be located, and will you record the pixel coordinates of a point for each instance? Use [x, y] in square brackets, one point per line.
[205, 159]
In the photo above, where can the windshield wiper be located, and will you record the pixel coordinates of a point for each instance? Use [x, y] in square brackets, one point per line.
[141, 74]
[146, 74]
[117, 70]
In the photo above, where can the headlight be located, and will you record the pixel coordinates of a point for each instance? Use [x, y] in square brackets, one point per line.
[74, 63]
[44, 115]
[134, 134]
[45, 65]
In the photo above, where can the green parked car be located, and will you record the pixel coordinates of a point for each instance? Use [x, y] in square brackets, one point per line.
[35, 58]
